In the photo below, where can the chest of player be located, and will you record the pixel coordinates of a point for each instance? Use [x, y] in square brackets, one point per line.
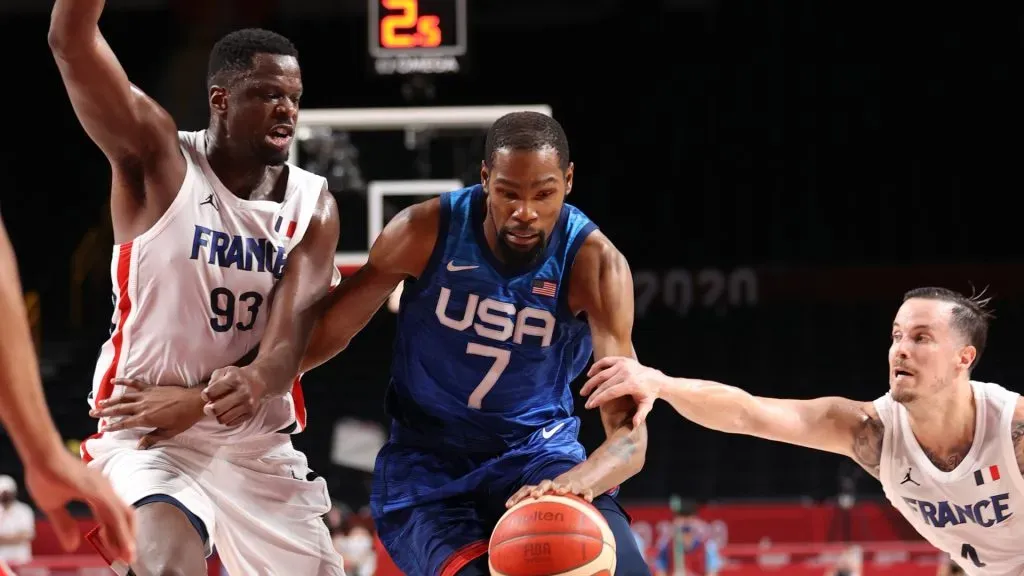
[247, 244]
[984, 499]
[522, 312]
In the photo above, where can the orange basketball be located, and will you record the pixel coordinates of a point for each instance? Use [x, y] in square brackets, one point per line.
[552, 536]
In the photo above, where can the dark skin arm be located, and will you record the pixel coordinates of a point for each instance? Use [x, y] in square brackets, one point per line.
[233, 394]
[601, 285]
[138, 137]
[401, 251]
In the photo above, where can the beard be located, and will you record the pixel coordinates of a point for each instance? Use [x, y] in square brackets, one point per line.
[904, 396]
[517, 258]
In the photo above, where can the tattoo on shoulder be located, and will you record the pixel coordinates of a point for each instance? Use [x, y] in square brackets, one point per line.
[1017, 435]
[867, 445]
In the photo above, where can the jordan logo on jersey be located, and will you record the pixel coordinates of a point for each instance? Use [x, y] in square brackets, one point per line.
[496, 319]
[985, 513]
[242, 252]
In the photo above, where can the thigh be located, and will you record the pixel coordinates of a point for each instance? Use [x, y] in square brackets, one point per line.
[168, 542]
[160, 475]
[435, 538]
[270, 512]
[629, 560]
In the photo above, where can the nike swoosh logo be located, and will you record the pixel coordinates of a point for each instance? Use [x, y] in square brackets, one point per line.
[453, 268]
[549, 433]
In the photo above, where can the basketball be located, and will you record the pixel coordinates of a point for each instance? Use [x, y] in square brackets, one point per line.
[552, 536]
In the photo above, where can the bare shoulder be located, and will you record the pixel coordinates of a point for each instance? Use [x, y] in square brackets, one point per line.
[599, 269]
[1017, 433]
[869, 432]
[408, 240]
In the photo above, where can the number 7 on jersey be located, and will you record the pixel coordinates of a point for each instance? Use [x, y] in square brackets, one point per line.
[501, 358]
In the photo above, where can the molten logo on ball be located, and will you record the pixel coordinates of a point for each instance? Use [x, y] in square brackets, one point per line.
[552, 536]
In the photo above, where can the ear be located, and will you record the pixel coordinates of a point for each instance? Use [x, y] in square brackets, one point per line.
[568, 178]
[485, 174]
[967, 356]
[218, 99]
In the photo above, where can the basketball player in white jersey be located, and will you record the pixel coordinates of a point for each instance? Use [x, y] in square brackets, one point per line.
[204, 224]
[947, 450]
[53, 476]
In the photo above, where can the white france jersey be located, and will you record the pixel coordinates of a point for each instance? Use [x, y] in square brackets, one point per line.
[975, 513]
[191, 294]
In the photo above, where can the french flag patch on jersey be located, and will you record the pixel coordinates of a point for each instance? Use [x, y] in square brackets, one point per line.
[986, 475]
[285, 227]
[545, 287]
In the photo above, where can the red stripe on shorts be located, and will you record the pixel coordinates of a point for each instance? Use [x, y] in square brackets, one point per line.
[463, 556]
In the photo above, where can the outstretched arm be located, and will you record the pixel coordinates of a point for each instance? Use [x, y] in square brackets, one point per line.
[601, 286]
[832, 424]
[401, 251]
[54, 477]
[234, 393]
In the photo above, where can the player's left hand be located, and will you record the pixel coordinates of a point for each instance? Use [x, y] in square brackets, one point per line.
[550, 487]
[233, 394]
[616, 376]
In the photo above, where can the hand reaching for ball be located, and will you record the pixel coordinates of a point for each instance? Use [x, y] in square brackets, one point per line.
[550, 487]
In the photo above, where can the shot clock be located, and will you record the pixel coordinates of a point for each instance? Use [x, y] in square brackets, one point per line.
[417, 36]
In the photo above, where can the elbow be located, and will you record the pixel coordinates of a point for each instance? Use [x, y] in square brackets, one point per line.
[66, 37]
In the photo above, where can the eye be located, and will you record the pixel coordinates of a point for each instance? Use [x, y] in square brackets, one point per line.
[896, 336]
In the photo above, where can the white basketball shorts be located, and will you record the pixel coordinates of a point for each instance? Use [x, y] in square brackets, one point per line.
[260, 502]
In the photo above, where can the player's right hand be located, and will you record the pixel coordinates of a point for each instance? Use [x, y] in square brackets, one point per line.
[61, 478]
[617, 376]
[170, 410]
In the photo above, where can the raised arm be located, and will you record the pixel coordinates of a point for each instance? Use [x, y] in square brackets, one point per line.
[132, 130]
[401, 251]
[832, 424]
[601, 286]
[235, 392]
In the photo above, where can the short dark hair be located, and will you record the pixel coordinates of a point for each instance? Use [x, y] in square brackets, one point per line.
[233, 54]
[527, 131]
[971, 314]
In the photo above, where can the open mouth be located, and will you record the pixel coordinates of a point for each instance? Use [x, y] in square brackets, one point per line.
[280, 136]
[900, 372]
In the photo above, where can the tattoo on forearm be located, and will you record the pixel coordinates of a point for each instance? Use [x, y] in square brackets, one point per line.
[623, 448]
[1017, 434]
[867, 445]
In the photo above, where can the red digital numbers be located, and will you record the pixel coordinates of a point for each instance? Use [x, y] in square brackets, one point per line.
[407, 28]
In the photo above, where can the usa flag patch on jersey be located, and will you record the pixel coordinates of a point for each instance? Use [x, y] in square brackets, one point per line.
[545, 287]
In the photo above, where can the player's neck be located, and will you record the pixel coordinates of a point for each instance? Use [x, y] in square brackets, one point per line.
[944, 422]
[240, 172]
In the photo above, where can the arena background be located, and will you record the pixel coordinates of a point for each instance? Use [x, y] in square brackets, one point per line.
[777, 173]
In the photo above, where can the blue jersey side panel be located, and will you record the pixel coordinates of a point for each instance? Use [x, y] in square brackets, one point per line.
[483, 357]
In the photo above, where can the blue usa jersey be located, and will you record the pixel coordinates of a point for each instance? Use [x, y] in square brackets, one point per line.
[484, 356]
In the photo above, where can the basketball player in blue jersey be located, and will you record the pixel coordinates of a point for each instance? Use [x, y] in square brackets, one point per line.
[509, 290]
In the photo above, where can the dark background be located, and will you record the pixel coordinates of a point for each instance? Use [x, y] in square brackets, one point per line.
[842, 152]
